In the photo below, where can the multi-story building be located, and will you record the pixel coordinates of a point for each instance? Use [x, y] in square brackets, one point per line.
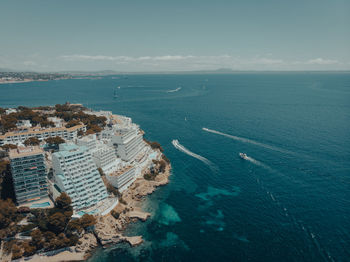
[89, 141]
[75, 173]
[128, 143]
[19, 136]
[28, 173]
[122, 178]
[102, 152]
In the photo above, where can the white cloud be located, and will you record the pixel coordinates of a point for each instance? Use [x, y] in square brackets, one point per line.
[126, 58]
[266, 61]
[321, 61]
[185, 62]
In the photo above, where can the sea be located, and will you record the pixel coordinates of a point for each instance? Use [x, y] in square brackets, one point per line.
[288, 201]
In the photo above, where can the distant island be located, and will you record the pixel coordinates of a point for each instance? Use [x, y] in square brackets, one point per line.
[72, 179]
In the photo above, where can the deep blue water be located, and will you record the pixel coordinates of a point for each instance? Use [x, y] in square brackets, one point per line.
[290, 202]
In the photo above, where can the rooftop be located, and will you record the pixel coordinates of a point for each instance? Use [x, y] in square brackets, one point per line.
[37, 130]
[122, 171]
[25, 151]
[70, 149]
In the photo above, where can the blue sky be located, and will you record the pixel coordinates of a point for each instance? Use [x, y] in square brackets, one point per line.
[175, 35]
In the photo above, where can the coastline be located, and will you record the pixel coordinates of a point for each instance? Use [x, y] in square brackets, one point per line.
[108, 229]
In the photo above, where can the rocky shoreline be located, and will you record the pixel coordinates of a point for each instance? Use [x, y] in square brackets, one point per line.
[108, 229]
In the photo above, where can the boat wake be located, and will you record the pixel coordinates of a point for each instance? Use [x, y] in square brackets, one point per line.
[183, 149]
[258, 163]
[246, 140]
[174, 90]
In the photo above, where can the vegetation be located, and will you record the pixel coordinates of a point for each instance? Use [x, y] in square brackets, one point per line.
[165, 159]
[32, 141]
[75, 116]
[115, 214]
[7, 147]
[72, 123]
[8, 122]
[50, 229]
[159, 167]
[154, 145]
[55, 141]
[6, 183]
[8, 219]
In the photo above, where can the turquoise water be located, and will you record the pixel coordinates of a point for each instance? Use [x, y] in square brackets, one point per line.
[45, 204]
[288, 202]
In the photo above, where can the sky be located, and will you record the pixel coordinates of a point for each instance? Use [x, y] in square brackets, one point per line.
[178, 35]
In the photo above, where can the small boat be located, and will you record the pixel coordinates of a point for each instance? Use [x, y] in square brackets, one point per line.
[243, 156]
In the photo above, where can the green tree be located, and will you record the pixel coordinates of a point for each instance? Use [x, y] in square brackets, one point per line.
[7, 147]
[64, 202]
[87, 221]
[55, 141]
[92, 129]
[16, 252]
[57, 222]
[8, 213]
[32, 141]
[37, 239]
[72, 123]
[29, 250]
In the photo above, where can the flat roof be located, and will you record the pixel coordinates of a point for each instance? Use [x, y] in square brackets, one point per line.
[25, 151]
[122, 171]
[69, 149]
[40, 131]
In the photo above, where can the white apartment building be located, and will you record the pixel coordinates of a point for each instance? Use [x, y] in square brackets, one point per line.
[122, 178]
[76, 174]
[102, 153]
[19, 136]
[128, 143]
[89, 141]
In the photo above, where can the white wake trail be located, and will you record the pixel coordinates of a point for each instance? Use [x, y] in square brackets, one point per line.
[258, 163]
[246, 140]
[183, 149]
[174, 90]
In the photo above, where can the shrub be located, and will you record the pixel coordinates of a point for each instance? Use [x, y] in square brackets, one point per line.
[32, 141]
[115, 214]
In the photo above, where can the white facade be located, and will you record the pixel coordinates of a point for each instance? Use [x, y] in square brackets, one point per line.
[10, 110]
[122, 178]
[23, 124]
[75, 173]
[89, 141]
[102, 153]
[104, 157]
[19, 136]
[128, 142]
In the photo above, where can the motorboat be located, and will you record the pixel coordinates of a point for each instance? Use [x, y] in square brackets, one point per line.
[243, 156]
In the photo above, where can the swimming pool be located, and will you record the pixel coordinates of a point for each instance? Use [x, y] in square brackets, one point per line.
[45, 204]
